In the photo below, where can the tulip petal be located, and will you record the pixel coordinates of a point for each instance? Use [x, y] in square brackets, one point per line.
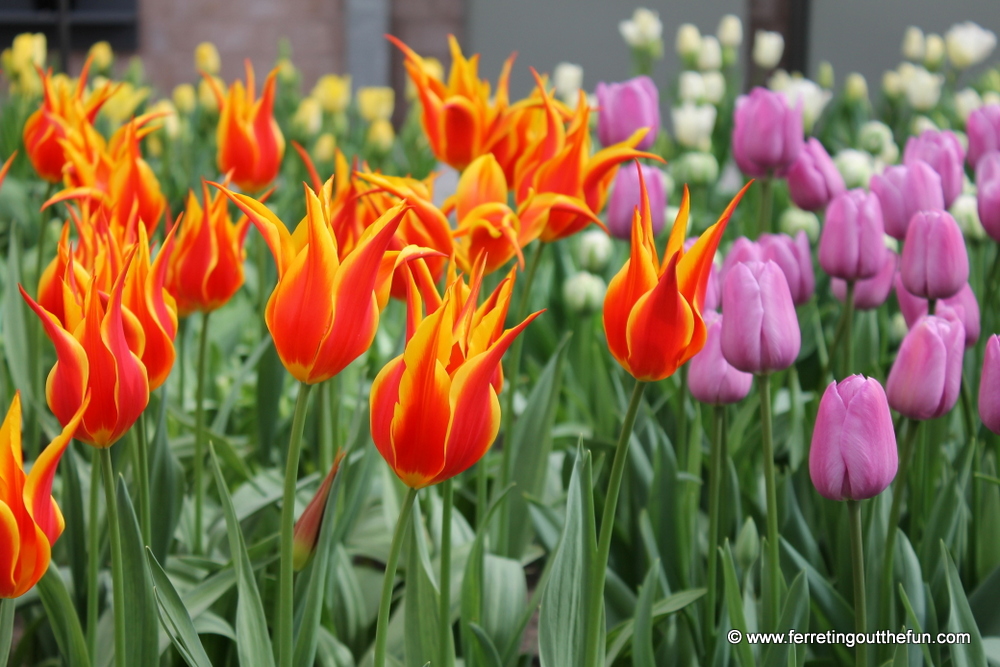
[660, 329]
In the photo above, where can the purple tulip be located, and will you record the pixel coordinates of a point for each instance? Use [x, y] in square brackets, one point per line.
[760, 332]
[853, 451]
[983, 130]
[963, 306]
[743, 250]
[711, 378]
[926, 377]
[905, 190]
[851, 245]
[813, 179]
[944, 153]
[767, 134]
[989, 386]
[795, 259]
[988, 193]
[935, 264]
[625, 196]
[626, 107]
[869, 293]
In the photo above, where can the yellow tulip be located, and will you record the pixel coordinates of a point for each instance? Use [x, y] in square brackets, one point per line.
[184, 98]
[376, 103]
[206, 58]
[333, 92]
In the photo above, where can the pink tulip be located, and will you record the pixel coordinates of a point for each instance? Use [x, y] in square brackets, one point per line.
[942, 150]
[870, 293]
[760, 331]
[905, 190]
[851, 245]
[853, 451]
[626, 107]
[926, 377]
[711, 378]
[795, 259]
[813, 179]
[983, 130]
[963, 306]
[935, 264]
[988, 193]
[989, 386]
[625, 196]
[767, 134]
[743, 250]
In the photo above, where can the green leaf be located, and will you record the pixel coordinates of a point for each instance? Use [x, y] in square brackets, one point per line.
[239, 379]
[166, 485]
[141, 628]
[827, 601]
[253, 642]
[734, 604]
[63, 619]
[621, 634]
[795, 614]
[270, 383]
[642, 644]
[504, 592]
[914, 622]
[960, 619]
[983, 603]
[492, 657]
[175, 617]
[421, 600]
[75, 536]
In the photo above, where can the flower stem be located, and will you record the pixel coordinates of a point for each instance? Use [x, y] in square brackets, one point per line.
[117, 567]
[714, 505]
[286, 580]
[766, 201]
[898, 487]
[858, 560]
[849, 329]
[773, 592]
[93, 556]
[142, 478]
[382, 630]
[444, 615]
[7, 607]
[199, 436]
[595, 656]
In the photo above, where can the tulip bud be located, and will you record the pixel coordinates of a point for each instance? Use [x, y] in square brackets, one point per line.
[853, 452]
[376, 103]
[568, 78]
[913, 44]
[715, 87]
[969, 44]
[926, 377]
[626, 195]
[902, 191]
[325, 149]
[185, 98]
[381, 135]
[922, 88]
[935, 264]
[875, 137]
[850, 246]
[768, 47]
[767, 134]
[794, 258]
[988, 197]
[693, 125]
[688, 42]
[966, 213]
[897, 328]
[869, 293]
[989, 386]
[710, 54]
[643, 31]
[967, 100]
[626, 107]
[584, 293]
[691, 86]
[856, 88]
[206, 58]
[333, 92]
[730, 31]
[697, 168]
[943, 151]
[962, 307]
[710, 377]
[747, 545]
[308, 117]
[594, 250]
[760, 331]
[307, 527]
[813, 179]
[101, 56]
[983, 128]
[855, 167]
[794, 220]
[934, 52]
[892, 84]
[825, 75]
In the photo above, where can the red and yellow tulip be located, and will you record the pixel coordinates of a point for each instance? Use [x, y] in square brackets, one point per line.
[30, 519]
[434, 408]
[652, 311]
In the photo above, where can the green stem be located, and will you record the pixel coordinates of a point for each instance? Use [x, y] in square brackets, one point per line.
[773, 592]
[199, 436]
[285, 583]
[931, 306]
[898, 487]
[93, 556]
[142, 478]
[595, 656]
[117, 566]
[766, 202]
[7, 607]
[682, 441]
[382, 629]
[849, 329]
[858, 560]
[444, 615]
[714, 505]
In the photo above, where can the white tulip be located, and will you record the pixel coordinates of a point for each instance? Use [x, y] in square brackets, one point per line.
[913, 44]
[876, 138]
[855, 166]
[715, 86]
[965, 210]
[584, 293]
[967, 101]
[768, 47]
[594, 250]
[691, 86]
[969, 44]
[643, 29]
[688, 41]
[892, 84]
[696, 168]
[794, 219]
[921, 124]
[923, 89]
[730, 31]
[933, 52]
[855, 87]
[825, 74]
[805, 92]
[568, 78]
[710, 54]
[693, 125]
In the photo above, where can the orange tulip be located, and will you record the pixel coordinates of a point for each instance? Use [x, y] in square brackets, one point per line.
[206, 267]
[311, 520]
[324, 310]
[30, 519]
[459, 118]
[652, 311]
[100, 355]
[250, 143]
[434, 408]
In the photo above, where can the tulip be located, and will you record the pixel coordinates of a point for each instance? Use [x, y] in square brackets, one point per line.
[594, 250]
[32, 521]
[310, 521]
[794, 258]
[935, 264]
[711, 378]
[250, 143]
[969, 44]
[768, 47]
[760, 332]
[869, 293]
[962, 307]
[653, 311]
[206, 58]
[988, 192]
[944, 153]
[742, 250]
[583, 293]
[983, 130]
[693, 125]
[813, 179]
[989, 386]
[851, 245]
[902, 191]
[767, 134]
[855, 167]
[376, 103]
[853, 451]
[925, 379]
[626, 196]
[568, 80]
[627, 107]
[713, 288]
[333, 92]
[730, 31]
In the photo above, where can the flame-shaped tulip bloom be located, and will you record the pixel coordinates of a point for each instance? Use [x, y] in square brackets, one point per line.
[935, 263]
[206, 267]
[760, 331]
[653, 311]
[853, 453]
[926, 377]
[311, 520]
[989, 386]
[870, 293]
[250, 143]
[434, 409]
[711, 378]
[30, 519]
